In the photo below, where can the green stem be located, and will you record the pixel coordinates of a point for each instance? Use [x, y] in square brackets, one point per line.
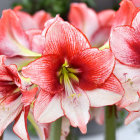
[55, 132]
[110, 122]
[32, 121]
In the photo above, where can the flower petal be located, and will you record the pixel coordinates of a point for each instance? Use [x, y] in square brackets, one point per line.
[9, 74]
[134, 106]
[45, 107]
[63, 39]
[136, 2]
[131, 117]
[130, 79]
[100, 37]
[37, 40]
[95, 66]
[109, 93]
[125, 13]
[127, 48]
[76, 109]
[40, 18]
[130, 96]
[9, 110]
[84, 18]
[26, 20]
[136, 23]
[29, 96]
[125, 73]
[13, 40]
[6, 90]
[43, 72]
[106, 18]
[20, 126]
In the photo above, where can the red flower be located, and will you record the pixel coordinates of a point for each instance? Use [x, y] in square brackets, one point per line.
[72, 76]
[19, 46]
[96, 26]
[14, 105]
[125, 44]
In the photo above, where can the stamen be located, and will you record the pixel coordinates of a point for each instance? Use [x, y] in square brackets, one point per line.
[69, 90]
[73, 77]
[73, 70]
[66, 74]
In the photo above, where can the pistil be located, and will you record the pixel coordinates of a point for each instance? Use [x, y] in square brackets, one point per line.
[66, 76]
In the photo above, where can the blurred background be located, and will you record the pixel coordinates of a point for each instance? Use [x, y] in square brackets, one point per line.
[57, 6]
[61, 7]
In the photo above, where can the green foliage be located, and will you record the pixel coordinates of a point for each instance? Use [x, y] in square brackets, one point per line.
[52, 6]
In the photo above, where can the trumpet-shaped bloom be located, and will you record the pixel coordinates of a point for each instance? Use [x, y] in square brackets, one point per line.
[72, 76]
[96, 26]
[18, 45]
[127, 69]
[14, 106]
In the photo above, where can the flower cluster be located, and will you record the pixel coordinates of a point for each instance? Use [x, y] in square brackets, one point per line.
[51, 68]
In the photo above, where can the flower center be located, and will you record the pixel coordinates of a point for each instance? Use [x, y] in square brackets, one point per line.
[66, 75]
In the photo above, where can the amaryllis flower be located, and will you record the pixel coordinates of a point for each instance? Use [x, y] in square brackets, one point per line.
[28, 21]
[72, 76]
[96, 26]
[19, 46]
[125, 14]
[13, 102]
[125, 42]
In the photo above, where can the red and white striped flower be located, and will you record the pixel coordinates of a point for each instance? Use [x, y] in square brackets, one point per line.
[125, 44]
[72, 76]
[14, 102]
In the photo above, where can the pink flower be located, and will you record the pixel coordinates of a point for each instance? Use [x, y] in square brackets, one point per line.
[96, 26]
[20, 47]
[125, 44]
[72, 76]
[13, 103]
